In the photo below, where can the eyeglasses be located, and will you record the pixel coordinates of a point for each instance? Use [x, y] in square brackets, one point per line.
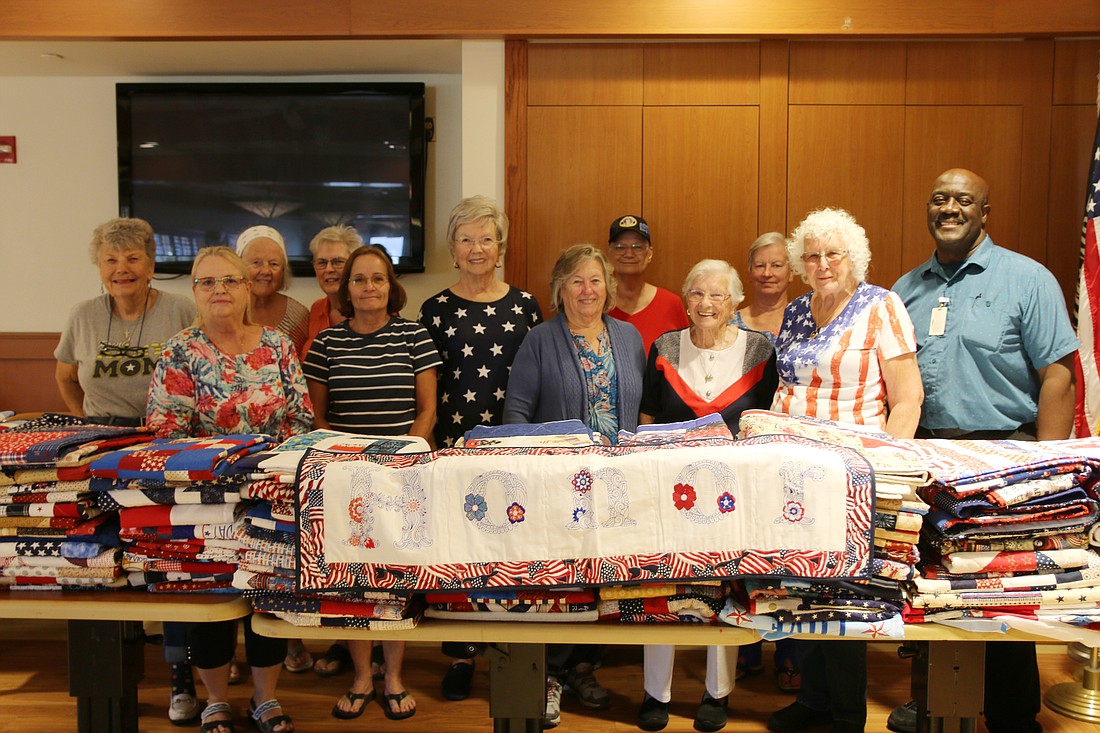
[231, 282]
[695, 296]
[114, 350]
[832, 256]
[485, 242]
[360, 281]
[337, 262]
[623, 246]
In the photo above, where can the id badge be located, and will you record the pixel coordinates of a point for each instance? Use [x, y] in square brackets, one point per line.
[938, 322]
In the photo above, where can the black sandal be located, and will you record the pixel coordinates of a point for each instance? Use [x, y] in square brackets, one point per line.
[268, 726]
[353, 697]
[214, 708]
[396, 698]
[338, 657]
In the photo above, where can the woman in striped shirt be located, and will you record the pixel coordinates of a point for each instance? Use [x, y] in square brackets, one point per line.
[373, 374]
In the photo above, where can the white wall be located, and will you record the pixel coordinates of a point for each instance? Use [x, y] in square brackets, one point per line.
[65, 182]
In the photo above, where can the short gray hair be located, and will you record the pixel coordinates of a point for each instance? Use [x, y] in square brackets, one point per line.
[343, 234]
[836, 226]
[767, 239]
[721, 268]
[122, 235]
[569, 262]
[476, 209]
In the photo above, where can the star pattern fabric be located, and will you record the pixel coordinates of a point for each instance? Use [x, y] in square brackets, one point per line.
[478, 342]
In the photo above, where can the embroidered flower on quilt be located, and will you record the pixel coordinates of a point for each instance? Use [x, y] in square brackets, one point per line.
[726, 502]
[515, 513]
[355, 509]
[579, 512]
[582, 481]
[794, 511]
[413, 505]
[683, 496]
[475, 507]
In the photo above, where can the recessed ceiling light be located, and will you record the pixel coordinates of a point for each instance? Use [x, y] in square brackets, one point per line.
[149, 145]
[54, 56]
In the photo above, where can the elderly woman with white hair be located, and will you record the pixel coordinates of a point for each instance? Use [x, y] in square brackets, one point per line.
[331, 248]
[846, 352]
[710, 367]
[264, 253]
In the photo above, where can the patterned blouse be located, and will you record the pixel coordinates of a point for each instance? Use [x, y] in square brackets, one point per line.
[477, 342]
[601, 385]
[198, 391]
[833, 372]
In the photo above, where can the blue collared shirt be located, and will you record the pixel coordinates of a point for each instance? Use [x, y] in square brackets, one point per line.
[1006, 317]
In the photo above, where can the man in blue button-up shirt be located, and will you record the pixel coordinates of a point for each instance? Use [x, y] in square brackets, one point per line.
[995, 349]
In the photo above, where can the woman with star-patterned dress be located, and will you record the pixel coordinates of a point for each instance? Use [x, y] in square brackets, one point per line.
[477, 325]
[846, 352]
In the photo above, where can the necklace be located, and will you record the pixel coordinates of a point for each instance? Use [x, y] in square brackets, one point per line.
[125, 345]
[710, 358]
[820, 325]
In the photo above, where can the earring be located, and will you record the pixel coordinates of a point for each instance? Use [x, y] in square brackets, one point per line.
[498, 264]
[455, 265]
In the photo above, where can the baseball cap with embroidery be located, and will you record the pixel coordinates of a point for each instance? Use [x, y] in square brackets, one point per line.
[628, 223]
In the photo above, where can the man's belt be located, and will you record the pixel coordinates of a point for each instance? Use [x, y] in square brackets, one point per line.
[1027, 431]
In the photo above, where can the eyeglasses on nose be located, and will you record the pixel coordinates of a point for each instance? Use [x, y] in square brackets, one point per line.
[695, 296]
[831, 256]
[486, 242]
[360, 281]
[632, 246]
[337, 262]
[231, 282]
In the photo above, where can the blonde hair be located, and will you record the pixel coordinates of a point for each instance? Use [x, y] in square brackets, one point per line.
[476, 209]
[238, 264]
[343, 234]
[569, 262]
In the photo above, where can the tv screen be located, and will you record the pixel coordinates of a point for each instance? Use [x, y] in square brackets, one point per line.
[203, 162]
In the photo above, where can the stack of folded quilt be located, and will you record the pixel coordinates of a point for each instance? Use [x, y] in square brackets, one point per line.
[648, 603]
[52, 534]
[1007, 537]
[543, 605]
[179, 502]
[900, 472]
[268, 534]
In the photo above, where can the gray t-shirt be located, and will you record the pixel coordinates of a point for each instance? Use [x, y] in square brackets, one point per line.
[116, 383]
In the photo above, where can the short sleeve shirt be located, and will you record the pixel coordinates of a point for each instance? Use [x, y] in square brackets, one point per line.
[1006, 318]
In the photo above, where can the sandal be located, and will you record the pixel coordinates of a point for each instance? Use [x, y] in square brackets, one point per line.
[298, 659]
[217, 708]
[397, 698]
[337, 658]
[256, 712]
[353, 697]
[788, 679]
[377, 663]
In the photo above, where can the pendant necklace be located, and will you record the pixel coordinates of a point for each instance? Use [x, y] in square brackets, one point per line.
[126, 334]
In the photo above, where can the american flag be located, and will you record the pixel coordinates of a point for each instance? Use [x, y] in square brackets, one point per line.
[1087, 418]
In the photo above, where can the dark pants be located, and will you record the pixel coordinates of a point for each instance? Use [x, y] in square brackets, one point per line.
[560, 658]
[834, 677]
[212, 645]
[1012, 697]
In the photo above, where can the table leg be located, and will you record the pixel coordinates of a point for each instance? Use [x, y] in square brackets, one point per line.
[106, 662]
[949, 686]
[517, 687]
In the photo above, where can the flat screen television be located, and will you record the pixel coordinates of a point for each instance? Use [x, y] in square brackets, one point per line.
[202, 162]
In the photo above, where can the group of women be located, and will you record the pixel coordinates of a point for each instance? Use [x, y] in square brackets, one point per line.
[250, 359]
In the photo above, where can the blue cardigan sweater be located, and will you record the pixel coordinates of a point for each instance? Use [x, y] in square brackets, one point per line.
[547, 382]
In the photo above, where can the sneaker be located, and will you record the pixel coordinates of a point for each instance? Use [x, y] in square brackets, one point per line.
[183, 709]
[552, 716]
[653, 715]
[581, 681]
[903, 718]
[456, 683]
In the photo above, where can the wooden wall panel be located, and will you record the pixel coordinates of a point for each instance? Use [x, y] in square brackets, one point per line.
[824, 72]
[987, 140]
[584, 74]
[701, 73]
[977, 72]
[1076, 65]
[584, 168]
[849, 157]
[26, 373]
[700, 173]
[772, 204]
[1070, 155]
[515, 161]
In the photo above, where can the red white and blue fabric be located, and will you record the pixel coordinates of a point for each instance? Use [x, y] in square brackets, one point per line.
[179, 459]
[1087, 418]
[678, 511]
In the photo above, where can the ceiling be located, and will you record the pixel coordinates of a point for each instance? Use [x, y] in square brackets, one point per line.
[228, 58]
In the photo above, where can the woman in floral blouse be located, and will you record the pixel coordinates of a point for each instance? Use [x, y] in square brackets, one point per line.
[227, 375]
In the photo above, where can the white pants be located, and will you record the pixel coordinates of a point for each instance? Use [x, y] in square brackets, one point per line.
[658, 661]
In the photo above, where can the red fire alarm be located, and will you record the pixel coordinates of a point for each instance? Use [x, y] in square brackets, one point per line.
[7, 149]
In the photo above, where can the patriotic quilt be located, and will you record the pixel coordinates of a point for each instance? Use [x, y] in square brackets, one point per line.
[539, 517]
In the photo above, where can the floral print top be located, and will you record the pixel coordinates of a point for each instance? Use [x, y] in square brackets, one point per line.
[199, 391]
[600, 384]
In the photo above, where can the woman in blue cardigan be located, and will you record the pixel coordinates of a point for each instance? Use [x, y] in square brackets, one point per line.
[582, 365]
